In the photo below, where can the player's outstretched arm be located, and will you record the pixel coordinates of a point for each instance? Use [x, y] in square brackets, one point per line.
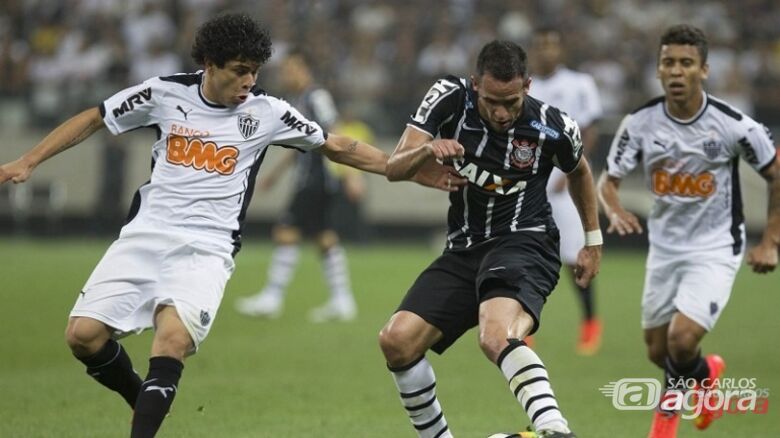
[763, 257]
[68, 134]
[583, 194]
[354, 153]
[415, 149]
[620, 220]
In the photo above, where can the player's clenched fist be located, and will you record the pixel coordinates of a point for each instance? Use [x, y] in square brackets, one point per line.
[17, 171]
[444, 149]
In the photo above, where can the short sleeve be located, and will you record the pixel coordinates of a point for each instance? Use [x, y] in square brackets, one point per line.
[443, 100]
[756, 146]
[295, 130]
[568, 150]
[132, 107]
[624, 153]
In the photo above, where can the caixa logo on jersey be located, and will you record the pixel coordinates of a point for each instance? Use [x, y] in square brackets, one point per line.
[523, 154]
[247, 125]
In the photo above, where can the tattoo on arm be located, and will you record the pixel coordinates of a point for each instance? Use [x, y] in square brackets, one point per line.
[352, 147]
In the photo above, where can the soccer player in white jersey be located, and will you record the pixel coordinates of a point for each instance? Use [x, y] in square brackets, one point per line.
[169, 266]
[574, 93]
[690, 144]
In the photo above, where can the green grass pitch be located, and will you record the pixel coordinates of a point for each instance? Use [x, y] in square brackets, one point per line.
[289, 378]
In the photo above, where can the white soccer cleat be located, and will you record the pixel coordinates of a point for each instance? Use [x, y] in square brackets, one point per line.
[262, 305]
[337, 309]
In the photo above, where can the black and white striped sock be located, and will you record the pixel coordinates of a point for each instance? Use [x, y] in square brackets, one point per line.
[283, 262]
[417, 386]
[529, 382]
[334, 264]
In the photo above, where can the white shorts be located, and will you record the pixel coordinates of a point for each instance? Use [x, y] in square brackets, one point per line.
[566, 218]
[143, 270]
[695, 283]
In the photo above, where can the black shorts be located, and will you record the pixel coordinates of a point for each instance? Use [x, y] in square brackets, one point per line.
[311, 211]
[524, 266]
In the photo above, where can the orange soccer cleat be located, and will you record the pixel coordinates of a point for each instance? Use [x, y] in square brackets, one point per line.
[664, 424]
[717, 366]
[590, 337]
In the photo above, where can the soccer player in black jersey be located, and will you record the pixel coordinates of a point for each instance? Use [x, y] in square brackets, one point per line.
[501, 260]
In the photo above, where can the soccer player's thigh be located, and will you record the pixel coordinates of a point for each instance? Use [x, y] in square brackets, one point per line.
[705, 285]
[524, 267]
[662, 278]
[568, 221]
[444, 295]
[193, 280]
[121, 283]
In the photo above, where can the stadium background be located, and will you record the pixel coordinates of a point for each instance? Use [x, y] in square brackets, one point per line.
[378, 58]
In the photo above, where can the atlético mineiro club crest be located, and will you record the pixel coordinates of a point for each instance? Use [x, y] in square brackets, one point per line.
[247, 125]
[523, 154]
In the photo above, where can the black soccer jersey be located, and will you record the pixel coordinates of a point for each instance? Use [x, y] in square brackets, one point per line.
[507, 172]
[311, 170]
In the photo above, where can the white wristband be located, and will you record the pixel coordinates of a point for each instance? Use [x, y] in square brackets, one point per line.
[593, 238]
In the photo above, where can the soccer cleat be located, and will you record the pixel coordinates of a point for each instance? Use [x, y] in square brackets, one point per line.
[263, 304]
[717, 366]
[664, 424]
[590, 337]
[530, 434]
[337, 309]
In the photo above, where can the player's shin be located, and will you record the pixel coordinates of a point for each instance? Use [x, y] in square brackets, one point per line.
[529, 382]
[111, 366]
[417, 386]
[156, 395]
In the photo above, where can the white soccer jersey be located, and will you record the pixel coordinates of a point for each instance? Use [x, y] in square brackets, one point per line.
[573, 92]
[207, 156]
[692, 168]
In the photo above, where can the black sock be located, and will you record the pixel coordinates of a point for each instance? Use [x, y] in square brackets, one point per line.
[156, 396]
[111, 367]
[695, 369]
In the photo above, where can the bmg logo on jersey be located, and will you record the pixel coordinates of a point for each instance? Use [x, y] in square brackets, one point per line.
[633, 394]
[700, 185]
[195, 153]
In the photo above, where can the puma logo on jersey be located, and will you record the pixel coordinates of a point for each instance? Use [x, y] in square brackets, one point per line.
[178, 107]
[131, 102]
[487, 180]
[683, 184]
[162, 389]
[195, 153]
[293, 122]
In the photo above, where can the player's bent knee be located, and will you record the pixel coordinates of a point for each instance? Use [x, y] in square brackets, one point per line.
[397, 348]
[682, 345]
[492, 345]
[85, 336]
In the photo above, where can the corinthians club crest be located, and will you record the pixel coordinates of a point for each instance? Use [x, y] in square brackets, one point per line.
[247, 125]
[523, 154]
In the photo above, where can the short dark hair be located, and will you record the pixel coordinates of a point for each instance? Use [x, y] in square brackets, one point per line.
[230, 37]
[687, 35]
[504, 60]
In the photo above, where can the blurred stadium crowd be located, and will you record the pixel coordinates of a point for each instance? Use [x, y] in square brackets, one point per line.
[377, 56]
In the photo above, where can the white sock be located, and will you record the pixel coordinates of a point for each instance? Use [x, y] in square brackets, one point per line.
[334, 265]
[416, 384]
[529, 382]
[284, 259]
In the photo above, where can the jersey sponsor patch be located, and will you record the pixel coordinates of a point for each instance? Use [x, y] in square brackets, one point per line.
[550, 132]
[290, 120]
[438, 91]
[700, 185]
[131, 102]
[200, 155]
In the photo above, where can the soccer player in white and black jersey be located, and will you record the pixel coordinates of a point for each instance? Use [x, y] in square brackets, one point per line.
[689, 144]
[501, 260]
[575, 93]
[170, 264]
